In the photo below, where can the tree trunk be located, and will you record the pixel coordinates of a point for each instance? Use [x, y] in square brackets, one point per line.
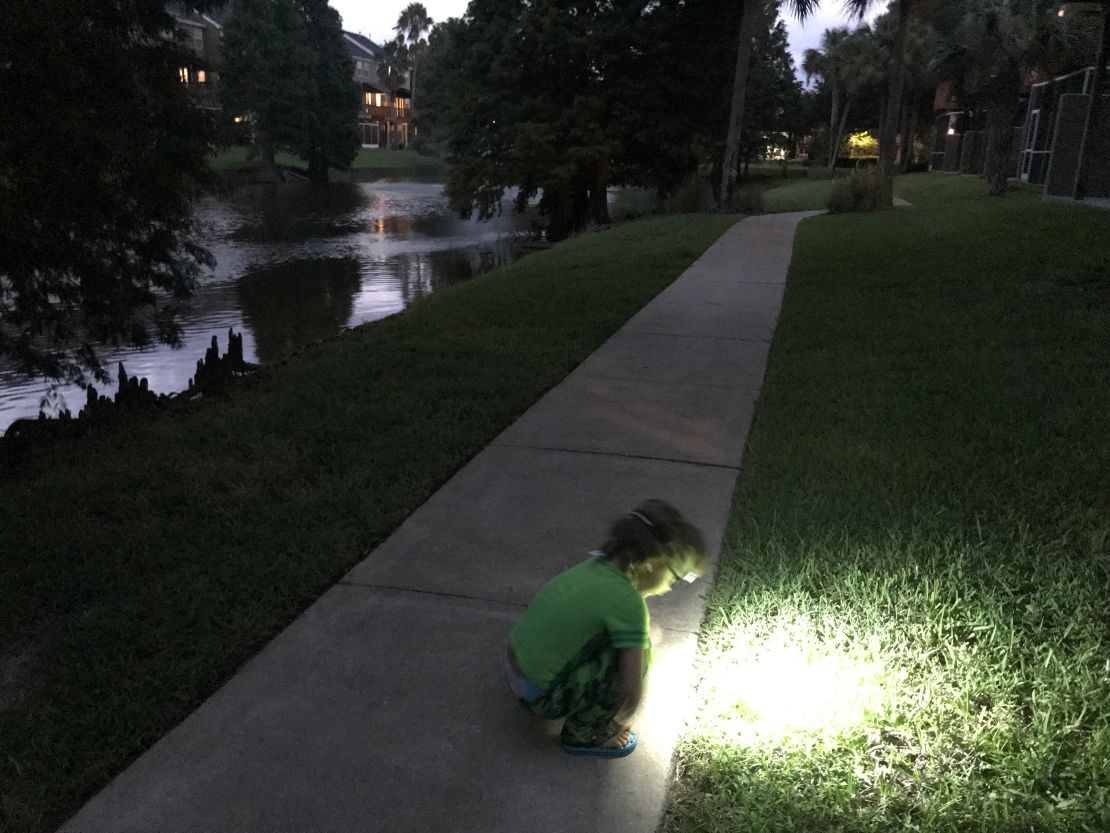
[833, 121]
[1094, 106]
[556, 205]
[579, 206]
[912, 114]
[834, 151]
[317, 168]
[748, 23]
[268, 166]
[902, 9]
[1001, 113]
[599, 196]
[902, 156]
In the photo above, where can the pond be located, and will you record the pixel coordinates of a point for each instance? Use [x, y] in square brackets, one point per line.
[297, 263]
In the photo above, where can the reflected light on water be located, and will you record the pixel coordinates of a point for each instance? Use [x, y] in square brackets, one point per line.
[296, 264]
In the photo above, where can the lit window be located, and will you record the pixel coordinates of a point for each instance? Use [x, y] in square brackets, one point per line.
[379, 99]
[369, 98]
[202, 76]
[183, 74]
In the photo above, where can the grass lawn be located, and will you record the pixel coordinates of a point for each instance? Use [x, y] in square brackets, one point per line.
[142, 567]
[236, 157]
[807, 195]
[910, 629]
[379, 158]
[775, 169]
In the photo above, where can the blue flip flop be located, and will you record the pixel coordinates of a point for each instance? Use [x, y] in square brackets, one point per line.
[597, 751]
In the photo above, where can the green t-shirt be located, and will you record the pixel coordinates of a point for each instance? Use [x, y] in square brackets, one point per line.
[573, 608]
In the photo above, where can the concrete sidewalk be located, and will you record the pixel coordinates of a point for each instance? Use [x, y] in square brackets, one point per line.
[383, 708]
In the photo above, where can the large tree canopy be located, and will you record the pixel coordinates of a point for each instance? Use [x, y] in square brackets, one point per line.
[329, 138]
[775, 109]
[565, 98]
[285, 64]
[100, 153]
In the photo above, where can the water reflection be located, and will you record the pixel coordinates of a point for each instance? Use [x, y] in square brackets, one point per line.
[393, 226]
[297, 263]
[299, 211]
[291, 304]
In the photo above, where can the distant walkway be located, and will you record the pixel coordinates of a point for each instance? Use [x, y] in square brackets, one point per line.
[1089, 202]
[382, 708]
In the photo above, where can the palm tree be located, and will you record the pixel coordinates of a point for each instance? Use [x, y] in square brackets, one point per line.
[412, 24]
[395, 60]
[391, 72]
[750, 15]
[826, 63]
[860, 66]
[901, 12]
[920, 85]
[987, 46]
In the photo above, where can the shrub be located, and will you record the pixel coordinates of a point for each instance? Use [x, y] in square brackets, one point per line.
[865, 190]
[630, 203]
[692, 196]
[748, 199]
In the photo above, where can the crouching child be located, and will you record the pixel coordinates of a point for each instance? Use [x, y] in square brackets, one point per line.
[582, 648]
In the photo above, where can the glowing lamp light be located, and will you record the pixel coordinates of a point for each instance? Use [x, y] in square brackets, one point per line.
[951, 131]
[1060, 13]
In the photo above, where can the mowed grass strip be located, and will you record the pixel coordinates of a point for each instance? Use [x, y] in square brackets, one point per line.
[141, 568]
[910, 630]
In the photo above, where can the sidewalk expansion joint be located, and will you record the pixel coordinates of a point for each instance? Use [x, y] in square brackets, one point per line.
[369, 585]
[620, 454]
[710, 338]
[670, 629]
[670, 383]
[696, 281]
[704, 302]
[623, 333]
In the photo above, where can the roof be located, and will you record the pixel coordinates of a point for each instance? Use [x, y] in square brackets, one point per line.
[216, 16]
[219, 14]
[359, 46]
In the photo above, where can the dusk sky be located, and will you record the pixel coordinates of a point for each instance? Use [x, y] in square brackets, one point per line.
[376, 20]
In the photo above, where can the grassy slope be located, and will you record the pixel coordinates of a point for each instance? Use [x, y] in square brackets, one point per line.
[918, 548]
[142, 568]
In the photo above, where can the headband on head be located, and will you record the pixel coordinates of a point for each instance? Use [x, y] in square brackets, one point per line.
[689, 577]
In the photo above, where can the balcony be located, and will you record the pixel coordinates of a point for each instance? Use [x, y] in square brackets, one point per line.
[386, 113]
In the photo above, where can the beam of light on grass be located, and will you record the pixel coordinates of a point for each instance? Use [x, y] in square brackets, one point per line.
[789, 677]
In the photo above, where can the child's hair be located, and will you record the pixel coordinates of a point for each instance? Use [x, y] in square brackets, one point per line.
[655, 527]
